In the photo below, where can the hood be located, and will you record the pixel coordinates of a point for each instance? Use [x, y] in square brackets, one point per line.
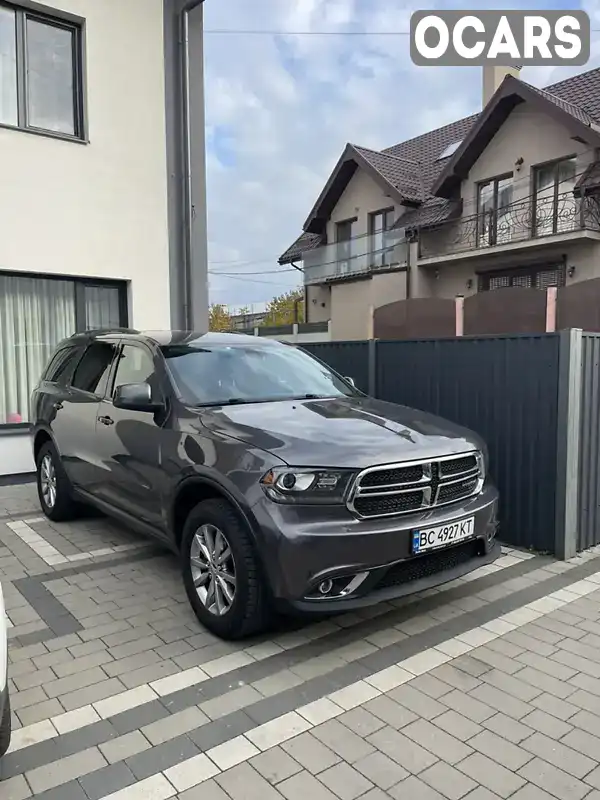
[342, 432]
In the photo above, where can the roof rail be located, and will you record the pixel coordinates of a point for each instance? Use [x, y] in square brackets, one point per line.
[98, 331]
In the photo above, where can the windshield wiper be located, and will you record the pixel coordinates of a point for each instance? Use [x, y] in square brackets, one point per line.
[230, 401]
[235, 401]
[311, 397]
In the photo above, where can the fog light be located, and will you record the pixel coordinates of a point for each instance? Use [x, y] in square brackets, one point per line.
[326, 586]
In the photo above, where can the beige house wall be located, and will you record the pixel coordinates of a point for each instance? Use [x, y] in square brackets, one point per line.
[528, 134]
[318, 302]
[352, 303]
[582, 257]
[361, 197]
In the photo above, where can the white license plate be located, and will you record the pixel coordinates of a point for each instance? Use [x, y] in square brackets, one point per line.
[442, 535]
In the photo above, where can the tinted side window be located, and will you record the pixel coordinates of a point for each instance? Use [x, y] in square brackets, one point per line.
[61, 364]
[93, 370]
[136, 366]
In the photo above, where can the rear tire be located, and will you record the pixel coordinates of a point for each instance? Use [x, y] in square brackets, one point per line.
[5, 727]
[221, 572]
[54, 488]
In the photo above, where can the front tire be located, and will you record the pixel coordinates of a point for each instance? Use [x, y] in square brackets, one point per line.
[54, 488]
[221, 572]
[5, 727]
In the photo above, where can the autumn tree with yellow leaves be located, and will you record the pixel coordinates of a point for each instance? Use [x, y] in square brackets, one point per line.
[219, 318]
[286, 308]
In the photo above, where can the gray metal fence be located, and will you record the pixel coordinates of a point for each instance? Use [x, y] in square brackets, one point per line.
[588, 471]
[347, 358]
[520, 393]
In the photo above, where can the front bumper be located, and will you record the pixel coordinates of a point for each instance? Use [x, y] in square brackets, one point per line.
[305, 546]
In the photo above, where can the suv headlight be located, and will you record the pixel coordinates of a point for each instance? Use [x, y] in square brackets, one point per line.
[482, 464]
[306, 486]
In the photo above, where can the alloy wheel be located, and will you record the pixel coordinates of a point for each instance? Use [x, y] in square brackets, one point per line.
[213, 569]
[48, 481]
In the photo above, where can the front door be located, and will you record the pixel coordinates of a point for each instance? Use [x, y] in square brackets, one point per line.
[129, 442]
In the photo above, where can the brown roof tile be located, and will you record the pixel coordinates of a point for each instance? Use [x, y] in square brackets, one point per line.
[304, 243]
[433, 211]
[402, 173]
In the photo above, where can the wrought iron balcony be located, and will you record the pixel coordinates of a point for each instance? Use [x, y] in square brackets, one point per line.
[355, 257]
[532, 218]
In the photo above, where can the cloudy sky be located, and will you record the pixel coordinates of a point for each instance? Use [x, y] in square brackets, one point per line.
[280, 109]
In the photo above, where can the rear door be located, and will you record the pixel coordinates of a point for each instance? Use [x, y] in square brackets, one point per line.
[74, 425]
[48, 394]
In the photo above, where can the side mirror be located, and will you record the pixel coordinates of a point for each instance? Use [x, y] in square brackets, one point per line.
[135, 397]
[350, 381]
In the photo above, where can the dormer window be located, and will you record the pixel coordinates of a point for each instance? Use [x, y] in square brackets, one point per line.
[450, 150]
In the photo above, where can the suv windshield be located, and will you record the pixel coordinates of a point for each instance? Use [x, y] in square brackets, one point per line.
[219, 374]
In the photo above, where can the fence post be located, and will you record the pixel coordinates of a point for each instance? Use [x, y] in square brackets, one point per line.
[372, 365]
[371, 323]
[550, 309]
[459, 315]
[568, 435]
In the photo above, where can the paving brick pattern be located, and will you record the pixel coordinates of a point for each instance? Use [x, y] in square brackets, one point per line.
[486, 688]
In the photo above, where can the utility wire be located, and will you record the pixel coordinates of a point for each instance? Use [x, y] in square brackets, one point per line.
[262, 272]
[253, 280]
[260, 32]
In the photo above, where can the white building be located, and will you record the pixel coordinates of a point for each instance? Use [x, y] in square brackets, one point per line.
[102, 181]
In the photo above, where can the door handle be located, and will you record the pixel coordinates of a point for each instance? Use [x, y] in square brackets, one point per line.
[58, 405]
[106, 420]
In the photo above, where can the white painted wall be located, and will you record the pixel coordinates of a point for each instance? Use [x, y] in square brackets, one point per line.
[15, 453]
[97, 209]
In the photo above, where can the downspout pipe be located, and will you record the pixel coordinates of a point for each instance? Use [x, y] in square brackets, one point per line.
[186, 128]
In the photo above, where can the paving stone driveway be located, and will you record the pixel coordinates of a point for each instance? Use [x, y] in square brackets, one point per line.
[488, 688]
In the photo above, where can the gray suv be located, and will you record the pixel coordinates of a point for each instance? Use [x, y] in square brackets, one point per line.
[277, 482]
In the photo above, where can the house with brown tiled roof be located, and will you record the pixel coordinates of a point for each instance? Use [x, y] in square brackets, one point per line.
[505, 197]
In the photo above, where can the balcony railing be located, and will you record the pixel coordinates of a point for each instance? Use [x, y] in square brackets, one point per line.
[518, 222]
[355, 257]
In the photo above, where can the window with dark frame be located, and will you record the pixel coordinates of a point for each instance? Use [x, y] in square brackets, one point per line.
[379, 223]
[494, 197]
[135, 365]
[92, 372]
[41, 75]
[555, 206]
[62, 363]
[36, 313]
[343, 236]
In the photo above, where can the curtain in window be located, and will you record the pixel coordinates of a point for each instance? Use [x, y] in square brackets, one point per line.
[102, 307]
[556, 207]
[35, 314]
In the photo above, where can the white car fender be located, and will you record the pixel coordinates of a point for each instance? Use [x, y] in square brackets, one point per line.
[3, 643]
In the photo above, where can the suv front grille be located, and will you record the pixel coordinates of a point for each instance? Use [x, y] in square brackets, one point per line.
[403, 488]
